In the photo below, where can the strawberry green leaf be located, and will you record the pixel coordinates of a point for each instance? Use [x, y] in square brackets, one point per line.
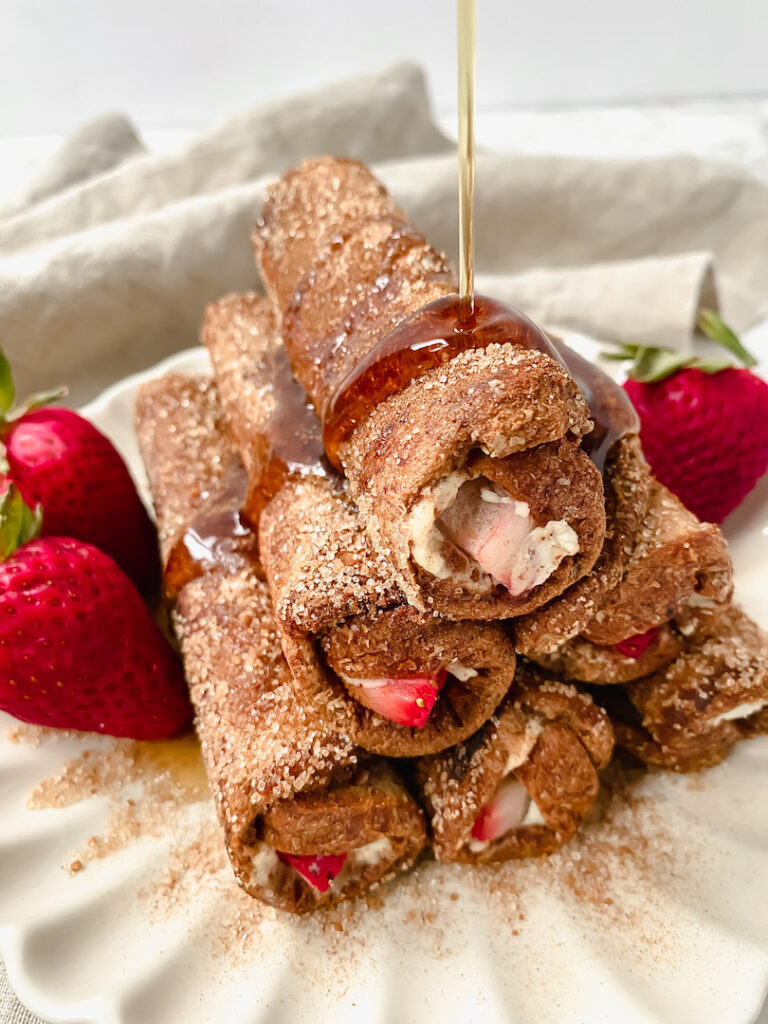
[7, 390]
[10, 521]
[624, 352]
[31, 523]
[40, 400]
[710, 324]
[652, 364]
[18, 522]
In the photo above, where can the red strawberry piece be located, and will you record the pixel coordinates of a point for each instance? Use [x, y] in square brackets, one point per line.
[407, 700]
[498, 533]
[634, 647]
[705, 436]
[505, 811]
[61, 461]
[78, 647]
[318, 871]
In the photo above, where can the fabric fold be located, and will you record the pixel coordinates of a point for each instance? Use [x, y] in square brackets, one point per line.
[103, 278]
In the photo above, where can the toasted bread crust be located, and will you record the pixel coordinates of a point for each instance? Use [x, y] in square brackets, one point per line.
[627, 484]
[675, 557]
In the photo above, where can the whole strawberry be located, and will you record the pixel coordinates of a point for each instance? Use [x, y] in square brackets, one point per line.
[78, 647]
[58, 459]
[704, 424]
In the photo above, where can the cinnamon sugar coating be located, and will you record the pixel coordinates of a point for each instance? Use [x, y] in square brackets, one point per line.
[225, 323]
[336, 598]
[273, 763]
[582, 660]
[341, 193]
[322, 565]
[555, 737]
[675, 557]
[627, 485]
[344, 267]
[686, 707]
[355, 294]
[181, 415]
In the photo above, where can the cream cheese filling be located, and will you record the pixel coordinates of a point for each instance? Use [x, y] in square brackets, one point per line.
[519, 752]
[264, 859]
[372, 853]
[461, 672]
[522, 558]
[427, 543]
[745, 710]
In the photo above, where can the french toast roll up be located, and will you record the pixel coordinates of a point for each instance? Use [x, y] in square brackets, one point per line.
[677, 576]
[581, 660]
[401, 682]
[639, 655]
[523, 783]
[627, 486]
[688, 715]
[307, 817]
[677, 560]
[467, 470]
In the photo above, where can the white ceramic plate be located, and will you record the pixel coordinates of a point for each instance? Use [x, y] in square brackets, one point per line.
[658, 917]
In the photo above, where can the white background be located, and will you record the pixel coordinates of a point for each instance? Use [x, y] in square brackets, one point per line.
[186, 63]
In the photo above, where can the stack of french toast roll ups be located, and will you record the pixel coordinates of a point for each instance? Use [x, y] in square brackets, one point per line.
[421, 590]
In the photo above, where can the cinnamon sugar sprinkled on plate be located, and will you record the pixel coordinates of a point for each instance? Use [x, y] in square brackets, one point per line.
[626, 847]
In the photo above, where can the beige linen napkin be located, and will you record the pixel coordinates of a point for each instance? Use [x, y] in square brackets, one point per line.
[92, 149]
[104, 274]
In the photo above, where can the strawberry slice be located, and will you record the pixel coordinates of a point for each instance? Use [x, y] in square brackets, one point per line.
[505, 811]
[634, 647]
[318, 871]
[407, 700]
[500, 534]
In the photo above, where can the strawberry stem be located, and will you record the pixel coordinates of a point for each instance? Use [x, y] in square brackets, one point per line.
[39, 400]
[651, 363]
[710, 325]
